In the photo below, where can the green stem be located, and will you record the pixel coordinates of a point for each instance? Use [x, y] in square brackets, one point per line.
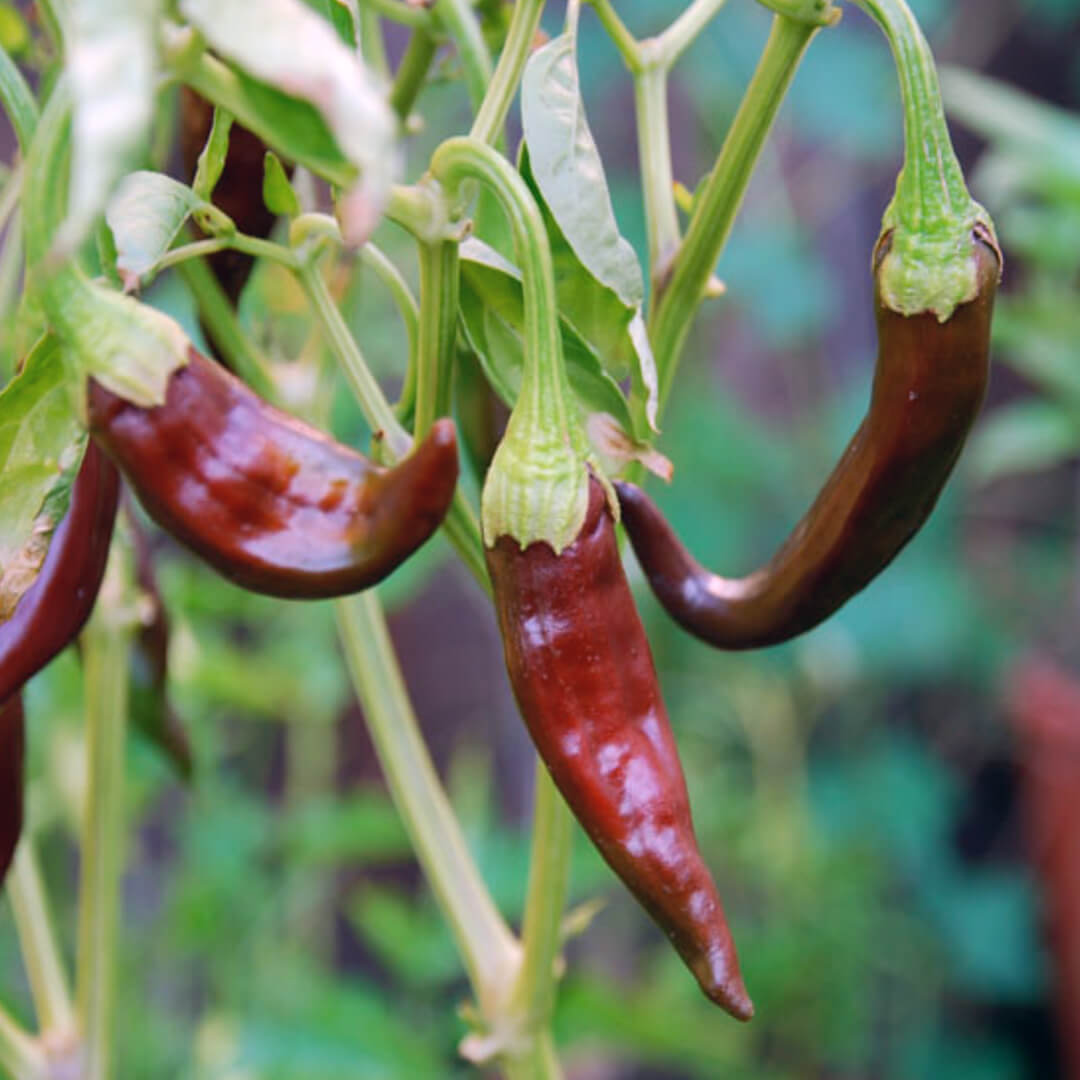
[623, 40]
[21, 1055]
[18, 101]
[549, 874]
[654, 160]
[722, 195]
[678, 37]
[105, 661]
[438, 333]
[459, 525]
[928, 264]
[488, 125]
[537, 486]
[460, 21]
[226, 334]
[489, 951]
[412, 71]
[374, 259]
[40, 949]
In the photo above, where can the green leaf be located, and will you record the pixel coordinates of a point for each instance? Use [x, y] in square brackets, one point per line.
[145, 215]
[277, 192]
[493, 314]
[285, 44]
[569, 173]
[40, 449]
[1024, 437]
[111, 63]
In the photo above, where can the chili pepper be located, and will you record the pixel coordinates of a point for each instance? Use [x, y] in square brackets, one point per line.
[929, 384]
[12, 750]
[49, 616]
[238, 191]
[272, 504]
[583, 675]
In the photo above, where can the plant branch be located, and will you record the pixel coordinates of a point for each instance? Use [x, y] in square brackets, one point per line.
[678, 37]
[105, 661]
[624, 41]
[654, 160]
[460, 21]
[21, 1055]
[488, 125]
[490, 953]
[18, 101]
[412, 71]
[438, 333]
[722, 195]
[40, 949]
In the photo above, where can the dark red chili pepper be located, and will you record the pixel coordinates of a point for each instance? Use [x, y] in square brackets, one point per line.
[272, 504]
[12, 750]
[929, 384]
[49, 616]
[582, 672]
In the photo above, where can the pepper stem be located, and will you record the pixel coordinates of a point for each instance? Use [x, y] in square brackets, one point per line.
[537, 487]
[929, 262]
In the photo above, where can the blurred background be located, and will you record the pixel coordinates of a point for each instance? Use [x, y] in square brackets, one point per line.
[889, 804]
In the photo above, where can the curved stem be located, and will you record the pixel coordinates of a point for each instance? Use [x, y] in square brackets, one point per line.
[678, 37]
[107, 648]
[438, 333]
[623, 40]
[40, 949]
[488, 125]
[401, 11]
[722, 195]
[372, 45]
[490, 953]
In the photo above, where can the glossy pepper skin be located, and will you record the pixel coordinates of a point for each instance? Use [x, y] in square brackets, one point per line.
[55, 608]
[12, 750]
[929, 384]
[583, 675]
[271, 503]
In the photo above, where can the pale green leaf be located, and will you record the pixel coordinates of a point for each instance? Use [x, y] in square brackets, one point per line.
[145, 215]
[568, 171]
[285, 44]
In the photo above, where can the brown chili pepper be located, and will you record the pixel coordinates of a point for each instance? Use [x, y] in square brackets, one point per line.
[271, 503]
[12, 751]
[49, 616]
[929, 384]
[583, 675]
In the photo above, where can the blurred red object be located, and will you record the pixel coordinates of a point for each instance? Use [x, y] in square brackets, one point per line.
[1044, 705]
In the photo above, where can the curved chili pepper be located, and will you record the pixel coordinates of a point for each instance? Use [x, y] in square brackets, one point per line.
[12, 751]
[929, 384]
[55, 608]
[272, 504]
[582, 672]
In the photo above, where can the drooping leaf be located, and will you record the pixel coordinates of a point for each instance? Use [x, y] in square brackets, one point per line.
[111, 61]
[40, 448]
[285, 44]
[568, 171]
[145, 215]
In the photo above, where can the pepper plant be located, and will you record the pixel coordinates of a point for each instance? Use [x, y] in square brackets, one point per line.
[528, 293]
